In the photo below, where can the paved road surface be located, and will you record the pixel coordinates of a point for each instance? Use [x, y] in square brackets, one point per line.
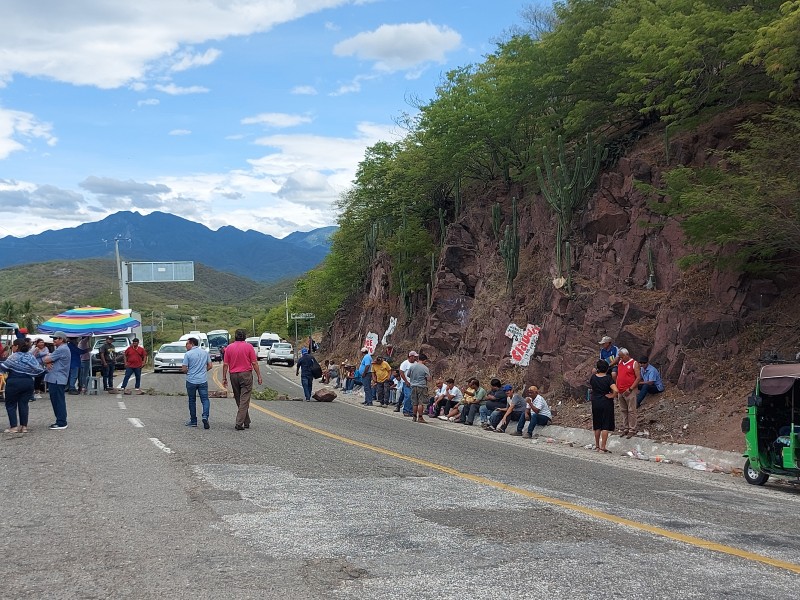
[340, 501]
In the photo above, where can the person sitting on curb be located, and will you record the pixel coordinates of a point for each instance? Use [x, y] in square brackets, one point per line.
[454, 398]
[436, 403]
[473, 397]
[515, 411]
[609, 352]
[536, 410]
[496, 398]
[651, 381]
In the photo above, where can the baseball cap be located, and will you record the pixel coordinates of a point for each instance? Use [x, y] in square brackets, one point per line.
[23, 330]
[605, 340]
[413, 353]
[59, 334]
[365, 349]
[507, 387]
[623, 351]
[304, 351]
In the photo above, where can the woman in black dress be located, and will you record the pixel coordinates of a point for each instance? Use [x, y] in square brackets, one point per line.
[603, 392]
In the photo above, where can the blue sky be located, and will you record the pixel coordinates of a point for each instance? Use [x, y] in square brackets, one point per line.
[252, 113]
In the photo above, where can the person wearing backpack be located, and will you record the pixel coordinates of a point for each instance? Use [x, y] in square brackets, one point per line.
[305, 367]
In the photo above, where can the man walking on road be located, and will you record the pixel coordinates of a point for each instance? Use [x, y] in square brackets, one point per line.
[196, 364]
[240, 360]
[304, 366]
[57, 363]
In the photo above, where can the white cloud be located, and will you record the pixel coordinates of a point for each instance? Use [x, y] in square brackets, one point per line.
[188, 60]
[174, 90]
[304, 90]
[352, 87]
[149, 102]
[108, 44]
[180, 132]
[18, 126]
[277, 120]
[405, 47]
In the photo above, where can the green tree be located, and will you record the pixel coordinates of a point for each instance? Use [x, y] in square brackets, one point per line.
[751, 208]
[777, 50]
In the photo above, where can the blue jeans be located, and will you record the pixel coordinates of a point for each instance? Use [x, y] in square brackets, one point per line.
[536, 419]
[497, 416]
[72, 380]
[108, 376]
[137, 374]
[645, 389]
[307, 381]
[366, 379]
[83, 375]
[59, 402]
[408, 408]
[192, 389]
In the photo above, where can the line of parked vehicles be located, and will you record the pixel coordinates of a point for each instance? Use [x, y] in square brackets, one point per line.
[268, 346]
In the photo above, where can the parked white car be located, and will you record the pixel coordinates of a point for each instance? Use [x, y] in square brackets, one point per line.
[281, 352]
[169, 357]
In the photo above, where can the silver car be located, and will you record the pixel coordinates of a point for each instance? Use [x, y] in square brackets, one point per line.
[169, 357]
[281, 352]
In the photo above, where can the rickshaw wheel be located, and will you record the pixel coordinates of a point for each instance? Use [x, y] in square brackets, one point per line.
[752, 476]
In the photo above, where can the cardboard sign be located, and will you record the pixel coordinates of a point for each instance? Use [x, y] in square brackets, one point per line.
[523, 343]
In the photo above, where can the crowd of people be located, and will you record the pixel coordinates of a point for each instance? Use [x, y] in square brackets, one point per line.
[617, 381]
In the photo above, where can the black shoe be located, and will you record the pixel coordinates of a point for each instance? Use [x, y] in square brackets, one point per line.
[57, 426]
[397, 409]
[247, 425]
[517, 433]
[239, 427]
[205, 424]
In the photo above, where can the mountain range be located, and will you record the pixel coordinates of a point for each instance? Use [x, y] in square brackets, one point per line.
[160, 236]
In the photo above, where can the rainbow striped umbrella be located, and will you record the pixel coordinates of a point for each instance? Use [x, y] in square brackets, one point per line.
[89, 320]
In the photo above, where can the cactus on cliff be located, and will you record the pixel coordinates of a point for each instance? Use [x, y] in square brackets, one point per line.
[509, 247]
[497, 220]
[564, 186]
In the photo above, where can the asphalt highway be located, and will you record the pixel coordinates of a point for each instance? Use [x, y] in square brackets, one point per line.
[336, 500]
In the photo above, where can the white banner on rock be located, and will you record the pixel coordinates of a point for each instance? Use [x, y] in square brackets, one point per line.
[389, 331]
[523, 343]
[371, 342]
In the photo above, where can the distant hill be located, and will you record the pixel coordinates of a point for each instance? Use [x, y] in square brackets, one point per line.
[164, 237]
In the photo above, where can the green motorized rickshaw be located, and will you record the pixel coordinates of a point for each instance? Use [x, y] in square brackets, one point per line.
[772, 425]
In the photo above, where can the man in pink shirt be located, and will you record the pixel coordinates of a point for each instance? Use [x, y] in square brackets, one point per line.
[241, 360]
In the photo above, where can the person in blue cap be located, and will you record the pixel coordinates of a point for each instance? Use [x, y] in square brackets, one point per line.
[303, 369]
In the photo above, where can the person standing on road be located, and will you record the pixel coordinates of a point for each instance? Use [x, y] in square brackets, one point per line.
[107, 363]
[240, 360]
[303, 368]
[39, 351]
[419, 376]
[196, 364]
[628, 378]
[135, 359]
[73, 383]
[21, 367]
[365, 372]
[57, 363]
[383, 371]
[604, 390]
[404, 400]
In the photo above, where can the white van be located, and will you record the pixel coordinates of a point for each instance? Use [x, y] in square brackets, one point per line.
[264, 342]
[201, 337]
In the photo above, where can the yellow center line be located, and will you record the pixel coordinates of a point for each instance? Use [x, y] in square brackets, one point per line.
[672, 535]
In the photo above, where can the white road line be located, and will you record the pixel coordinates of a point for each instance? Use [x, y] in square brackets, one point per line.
[136, 422]
[159, 444]
[122, 406]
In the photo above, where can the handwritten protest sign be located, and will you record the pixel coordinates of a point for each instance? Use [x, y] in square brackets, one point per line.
[523, 343]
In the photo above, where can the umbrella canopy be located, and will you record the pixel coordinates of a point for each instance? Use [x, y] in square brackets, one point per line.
[89, 320]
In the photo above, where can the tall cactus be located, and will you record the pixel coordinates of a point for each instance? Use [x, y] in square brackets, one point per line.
[442, 227]
[371, 241]
[509, 248]
[457, 199]
[497, 220]
[564, 187]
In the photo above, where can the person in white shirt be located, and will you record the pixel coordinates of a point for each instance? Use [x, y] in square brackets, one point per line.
[536, 410]
[404, 398]
[454, 398]
[439, 398]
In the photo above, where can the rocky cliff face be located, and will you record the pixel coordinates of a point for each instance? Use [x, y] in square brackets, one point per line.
[686, 320]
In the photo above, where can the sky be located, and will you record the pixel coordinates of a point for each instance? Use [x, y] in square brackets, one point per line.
[253, 113]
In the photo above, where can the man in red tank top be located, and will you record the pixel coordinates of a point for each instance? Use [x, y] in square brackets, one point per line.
[628, 378]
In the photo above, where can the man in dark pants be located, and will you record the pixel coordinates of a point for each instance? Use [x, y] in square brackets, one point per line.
[57, 363]
[107, 361]
[304, 370]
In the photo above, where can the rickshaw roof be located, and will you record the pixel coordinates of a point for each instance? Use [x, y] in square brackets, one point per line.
[778, 379]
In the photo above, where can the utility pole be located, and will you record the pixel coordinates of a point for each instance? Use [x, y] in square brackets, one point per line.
[122, 274]
[287, 308]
